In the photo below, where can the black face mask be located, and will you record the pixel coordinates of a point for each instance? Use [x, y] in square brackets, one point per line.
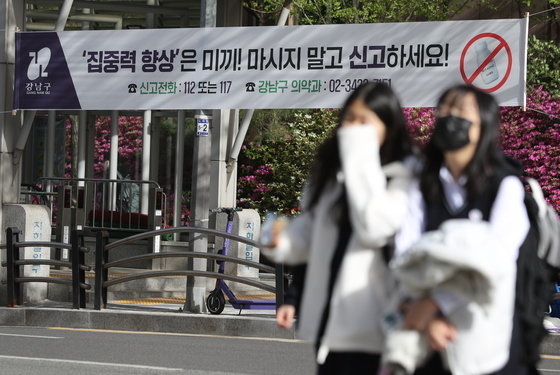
[451, 133]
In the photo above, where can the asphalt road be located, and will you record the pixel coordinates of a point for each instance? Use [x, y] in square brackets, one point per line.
[33, 351]
[550, 364]
[58, 351]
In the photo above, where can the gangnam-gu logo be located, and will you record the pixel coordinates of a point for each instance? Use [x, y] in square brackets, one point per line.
[38, 69]
[38, 65]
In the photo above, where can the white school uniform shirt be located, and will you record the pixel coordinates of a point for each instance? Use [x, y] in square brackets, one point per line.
[483, 346]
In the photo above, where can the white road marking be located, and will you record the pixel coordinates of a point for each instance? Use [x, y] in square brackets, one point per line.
[140, 367]
[30, 336]
[176, 334]
[548, 370]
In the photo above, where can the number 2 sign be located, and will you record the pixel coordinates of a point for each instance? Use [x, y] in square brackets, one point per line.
[202, 127]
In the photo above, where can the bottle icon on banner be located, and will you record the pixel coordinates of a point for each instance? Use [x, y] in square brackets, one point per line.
[490, 72]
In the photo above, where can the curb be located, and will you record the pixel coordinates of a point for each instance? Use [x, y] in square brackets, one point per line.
[126, 320]
[144, 321]
[551, 344]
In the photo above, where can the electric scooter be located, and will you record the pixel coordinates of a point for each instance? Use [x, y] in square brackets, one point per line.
[216, 301]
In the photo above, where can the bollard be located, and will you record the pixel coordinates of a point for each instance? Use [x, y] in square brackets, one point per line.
[105, 271]
[11, 267]
[280, 285]
[81, 272]
[99, 249]
[74, 255]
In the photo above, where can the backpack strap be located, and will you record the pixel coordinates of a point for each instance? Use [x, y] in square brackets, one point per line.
[548, 225]
[537, 195]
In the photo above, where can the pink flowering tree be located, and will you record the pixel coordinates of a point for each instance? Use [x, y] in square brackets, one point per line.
[130, 145]
[533, 137]
[273, 171]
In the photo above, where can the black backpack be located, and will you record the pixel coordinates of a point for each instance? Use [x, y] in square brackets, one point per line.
[537, 270]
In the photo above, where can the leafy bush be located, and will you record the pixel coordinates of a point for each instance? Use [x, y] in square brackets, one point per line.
[543, 65]
[272, 172]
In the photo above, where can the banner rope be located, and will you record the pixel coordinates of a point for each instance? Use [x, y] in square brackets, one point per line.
[542, 112]
[544, 11]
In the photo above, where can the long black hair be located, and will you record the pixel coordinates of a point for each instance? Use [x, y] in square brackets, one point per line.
[381, 99]
[487, 157]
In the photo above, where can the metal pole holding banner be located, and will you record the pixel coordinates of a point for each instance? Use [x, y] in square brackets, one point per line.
[179, 156]
[200, 202]
[63, 15]
[200, 205]
[146, 146]
[286, 8]
[240, 138]
[526, 41]
[114, 158]
[51, 131]
[82, 141]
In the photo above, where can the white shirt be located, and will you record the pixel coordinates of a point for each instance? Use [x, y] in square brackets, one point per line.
[508, 219]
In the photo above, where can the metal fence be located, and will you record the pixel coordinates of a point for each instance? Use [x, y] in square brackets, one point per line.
[14, 261]
[102, 264]
[101, 204]
[15, 279]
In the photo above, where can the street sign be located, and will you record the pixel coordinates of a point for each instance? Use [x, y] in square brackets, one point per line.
[202, 126]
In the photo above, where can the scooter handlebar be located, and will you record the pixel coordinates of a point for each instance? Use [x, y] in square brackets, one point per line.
[226, 210]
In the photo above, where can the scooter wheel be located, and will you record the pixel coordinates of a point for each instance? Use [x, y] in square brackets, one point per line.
[215, 302]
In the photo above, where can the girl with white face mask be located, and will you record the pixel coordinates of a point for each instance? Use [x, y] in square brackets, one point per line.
[354, 203]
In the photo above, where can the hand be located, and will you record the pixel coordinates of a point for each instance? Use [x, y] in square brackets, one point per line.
[419, 314]
[285, 316]
[439, 333]
[277, 228]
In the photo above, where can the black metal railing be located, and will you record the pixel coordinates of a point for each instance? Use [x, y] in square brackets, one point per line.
[102, 264]
[104, 204]
[14, 279]
[13, 263]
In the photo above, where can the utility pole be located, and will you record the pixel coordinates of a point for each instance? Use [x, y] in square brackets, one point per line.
[200, 188]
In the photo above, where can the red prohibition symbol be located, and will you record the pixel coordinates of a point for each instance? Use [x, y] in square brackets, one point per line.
[503, 44]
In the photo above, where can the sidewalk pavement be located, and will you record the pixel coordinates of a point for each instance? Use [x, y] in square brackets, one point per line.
[150, 317]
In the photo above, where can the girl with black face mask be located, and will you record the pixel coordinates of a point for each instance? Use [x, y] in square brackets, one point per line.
[465, 175]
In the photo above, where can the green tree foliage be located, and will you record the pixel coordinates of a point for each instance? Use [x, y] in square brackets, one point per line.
[367, 11]
[543, 65]
[313, 12]
[273, 170]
